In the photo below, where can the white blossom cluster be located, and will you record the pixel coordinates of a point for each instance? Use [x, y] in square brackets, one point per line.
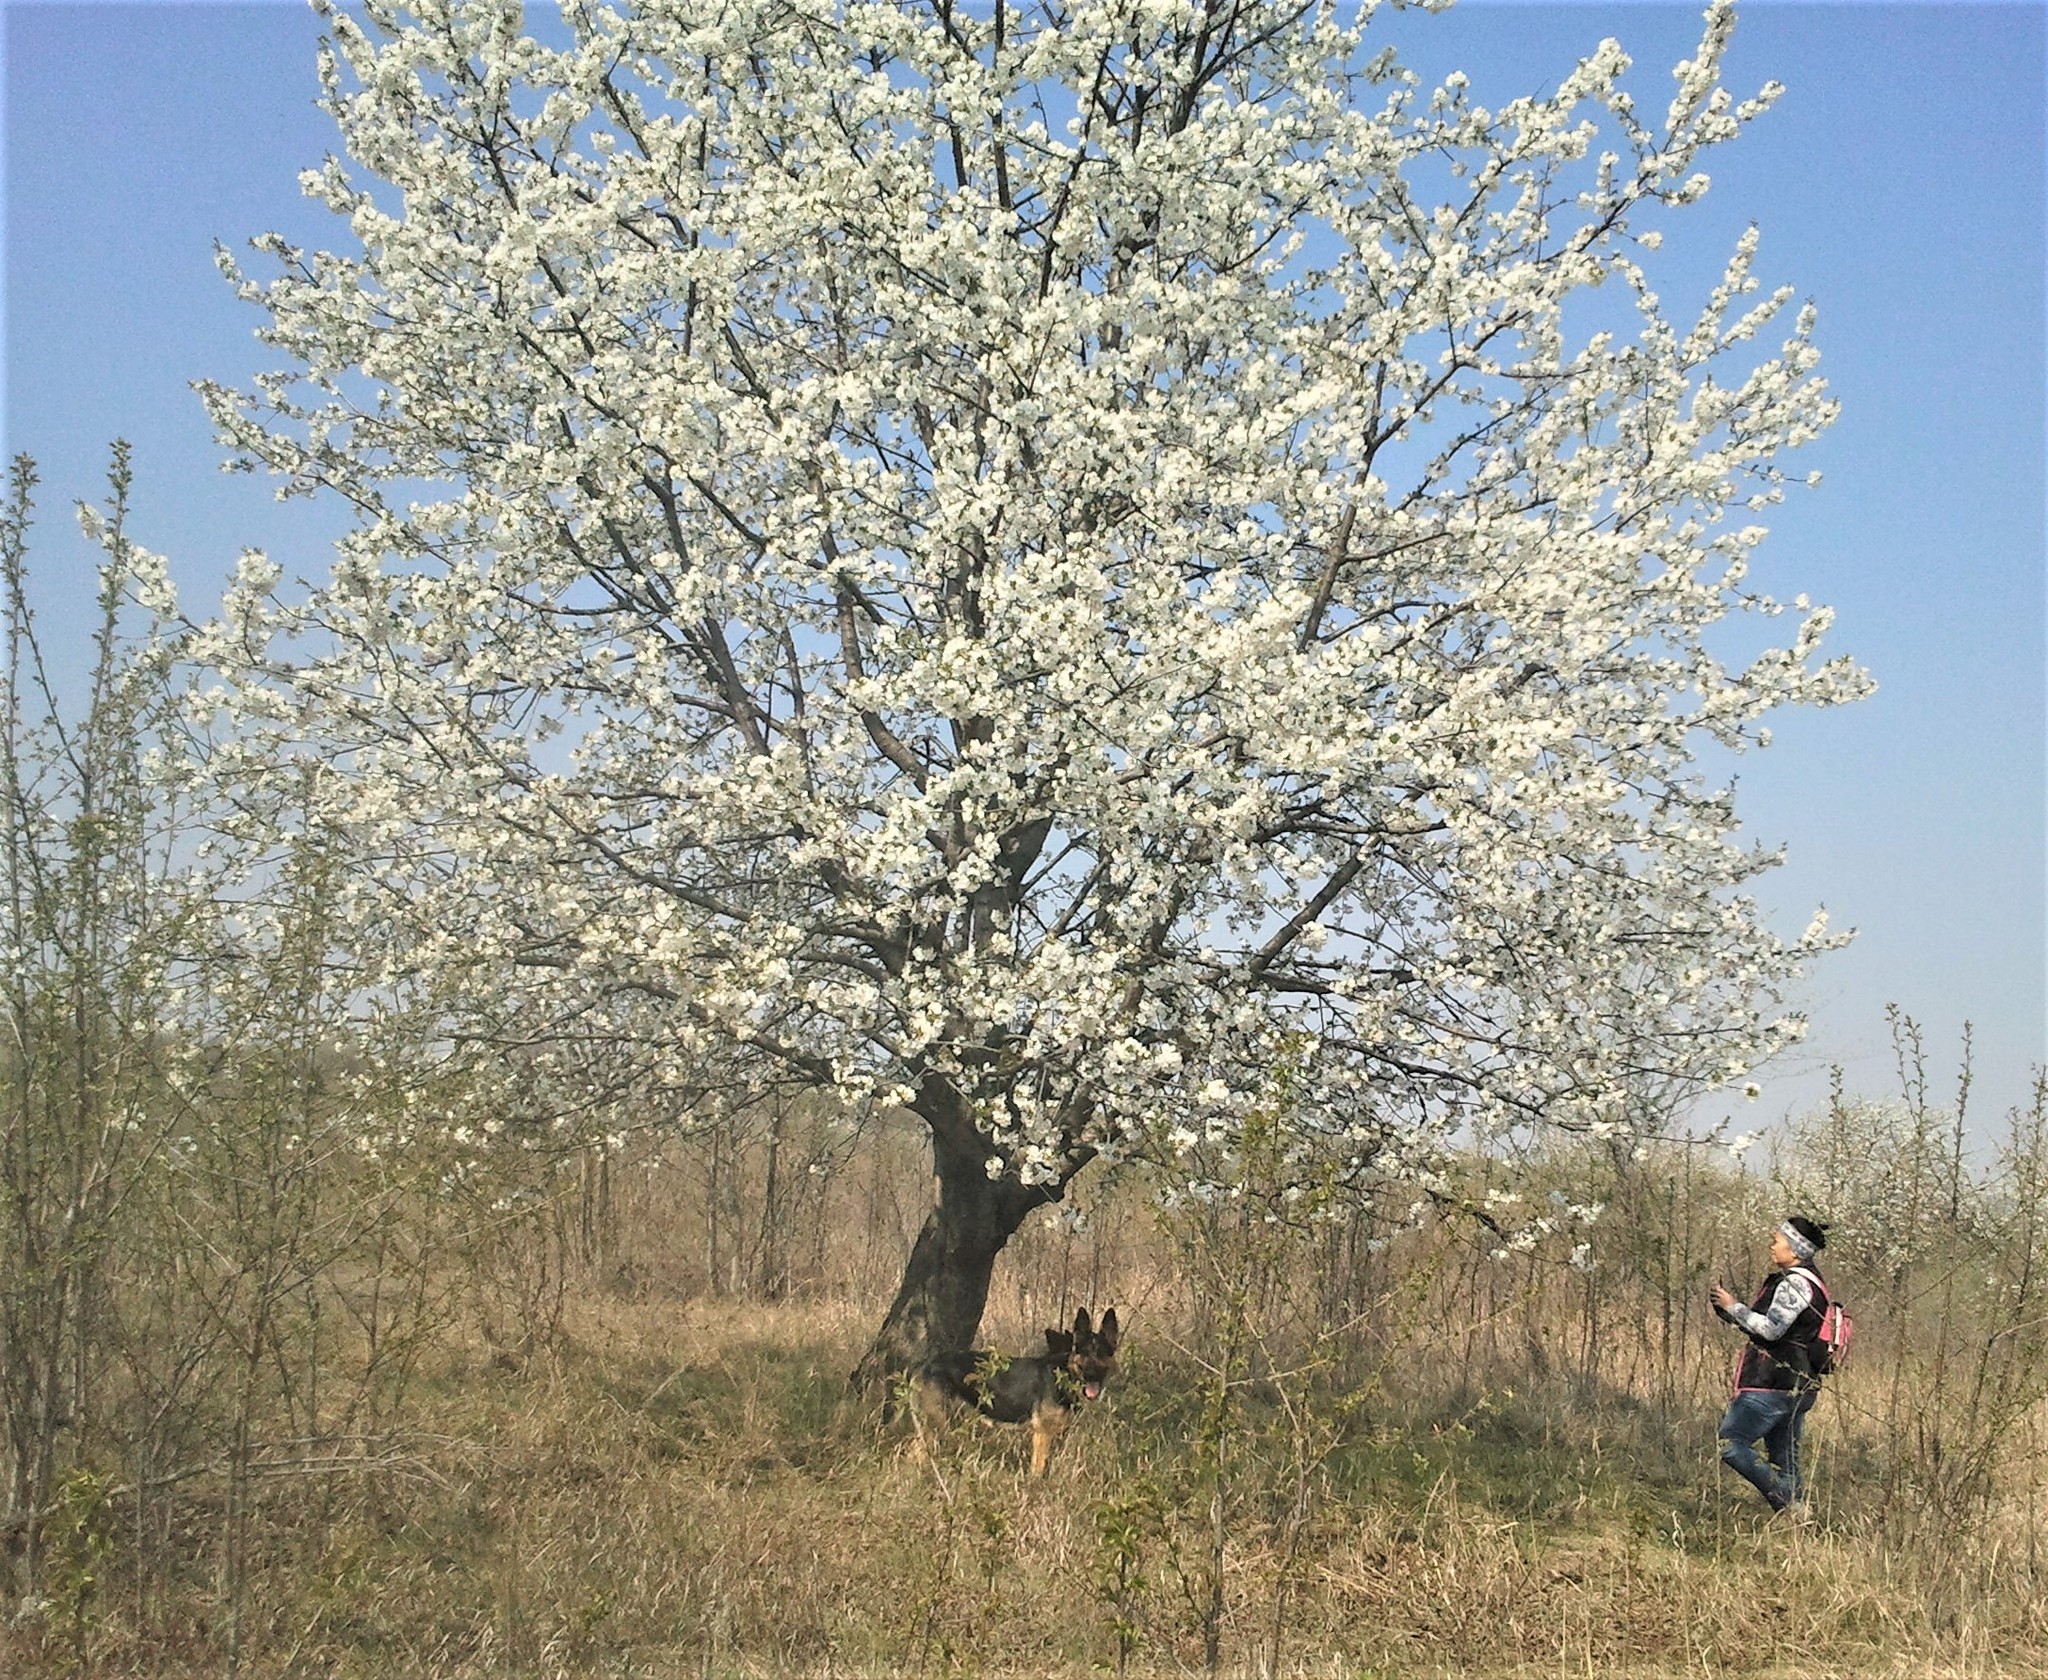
[1018, 559]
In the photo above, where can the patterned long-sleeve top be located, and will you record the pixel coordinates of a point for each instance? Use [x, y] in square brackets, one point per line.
[1792, 1297]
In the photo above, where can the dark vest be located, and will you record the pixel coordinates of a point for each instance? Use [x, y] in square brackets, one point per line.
[1787, 1362]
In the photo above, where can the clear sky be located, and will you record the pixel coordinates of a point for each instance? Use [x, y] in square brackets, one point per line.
[1900, 183]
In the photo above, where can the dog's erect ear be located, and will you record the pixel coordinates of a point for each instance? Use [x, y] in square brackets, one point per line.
[1081, 1325]
[1109, 1330]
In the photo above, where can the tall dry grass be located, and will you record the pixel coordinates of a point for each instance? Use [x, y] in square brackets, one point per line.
[1356, 1449]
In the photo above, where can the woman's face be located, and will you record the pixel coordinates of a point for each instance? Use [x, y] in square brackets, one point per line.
[1782, 1252]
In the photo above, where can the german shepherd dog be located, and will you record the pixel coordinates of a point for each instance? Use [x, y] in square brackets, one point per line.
[1041, 1390]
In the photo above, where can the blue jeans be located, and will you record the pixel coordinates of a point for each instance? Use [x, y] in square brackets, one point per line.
[1772, 1416]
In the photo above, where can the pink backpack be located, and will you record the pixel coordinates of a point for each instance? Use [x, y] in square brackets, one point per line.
[1837, 1328]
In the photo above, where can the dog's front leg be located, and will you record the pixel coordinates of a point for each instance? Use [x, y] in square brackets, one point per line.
[1046, 1423]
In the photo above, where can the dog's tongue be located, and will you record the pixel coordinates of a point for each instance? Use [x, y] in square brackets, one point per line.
[1091, 1389]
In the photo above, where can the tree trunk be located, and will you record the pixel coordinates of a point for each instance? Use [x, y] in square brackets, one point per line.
[938, 1305]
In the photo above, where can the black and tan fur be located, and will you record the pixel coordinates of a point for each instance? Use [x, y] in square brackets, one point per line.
[1041, 1390]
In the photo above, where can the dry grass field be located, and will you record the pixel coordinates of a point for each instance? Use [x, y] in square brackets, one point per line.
[676, 1488]
[601, 1427]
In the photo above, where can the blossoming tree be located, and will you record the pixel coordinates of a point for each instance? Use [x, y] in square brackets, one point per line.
[1023, 560]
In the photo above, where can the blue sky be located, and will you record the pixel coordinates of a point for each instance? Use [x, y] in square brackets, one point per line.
[1899, 183]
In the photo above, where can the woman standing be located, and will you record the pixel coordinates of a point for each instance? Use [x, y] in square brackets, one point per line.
[1775, 1380]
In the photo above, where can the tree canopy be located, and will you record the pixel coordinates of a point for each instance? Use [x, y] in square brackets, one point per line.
[1031, 562]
